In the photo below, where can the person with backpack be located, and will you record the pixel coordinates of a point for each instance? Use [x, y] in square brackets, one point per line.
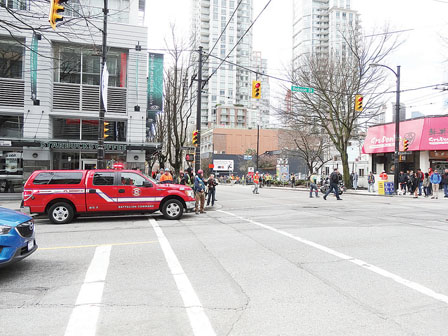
[435, 181]
[334, 185]
[313, 185]
[199, 191]
[211, 185]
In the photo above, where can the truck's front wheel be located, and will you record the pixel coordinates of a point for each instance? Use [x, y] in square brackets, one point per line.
[61, 213]
[172, 209]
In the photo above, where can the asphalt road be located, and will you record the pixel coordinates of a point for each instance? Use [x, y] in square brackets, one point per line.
[277, 263]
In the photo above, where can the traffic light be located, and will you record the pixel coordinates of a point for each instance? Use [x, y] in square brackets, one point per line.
[56, 10]
[189, 157]
[358, 103]
[106, 129]
[195, 138]
[405, 145]
[256, 89]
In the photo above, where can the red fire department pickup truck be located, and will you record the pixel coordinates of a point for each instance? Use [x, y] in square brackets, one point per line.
[64, 194]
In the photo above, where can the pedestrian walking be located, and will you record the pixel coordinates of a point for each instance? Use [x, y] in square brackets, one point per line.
[354, 179]
[184, 179]
[403, 180]
[211, 186]
[413, 184]
[371, 182]
[159, 175]
[445, 183]
[313, 185]
[430, 172]
[334, 185]
[256, 183]
[199, 190]
[293, 181]
[420, 177]
[435, 182]
[426, 184]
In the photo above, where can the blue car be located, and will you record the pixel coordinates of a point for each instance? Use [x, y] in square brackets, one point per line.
[16, 236]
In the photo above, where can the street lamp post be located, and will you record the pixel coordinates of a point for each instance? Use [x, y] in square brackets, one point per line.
[397, 123]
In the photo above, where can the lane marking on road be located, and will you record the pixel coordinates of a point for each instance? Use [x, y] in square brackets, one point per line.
[198, 318]
[410, 284]
[95, 245]
[84, 317]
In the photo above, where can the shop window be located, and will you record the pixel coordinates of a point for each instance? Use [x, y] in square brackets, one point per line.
[11, 126]
[11, 60]
[80, 129]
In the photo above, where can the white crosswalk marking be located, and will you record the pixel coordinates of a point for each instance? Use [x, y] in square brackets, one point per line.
[198, 319]
[84, 316]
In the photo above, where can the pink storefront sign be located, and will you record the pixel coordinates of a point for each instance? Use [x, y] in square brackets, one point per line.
[422, 134]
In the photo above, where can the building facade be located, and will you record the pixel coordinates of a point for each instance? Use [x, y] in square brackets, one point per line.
[49, 90]
[227, 84]
[319, 26]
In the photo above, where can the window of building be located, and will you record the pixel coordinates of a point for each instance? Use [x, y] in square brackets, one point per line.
[11, 59]
[82, 65]
[11, 126]
[14, 4]
[84, 129]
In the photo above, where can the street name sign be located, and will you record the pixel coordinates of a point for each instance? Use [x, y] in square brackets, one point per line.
[302, 89]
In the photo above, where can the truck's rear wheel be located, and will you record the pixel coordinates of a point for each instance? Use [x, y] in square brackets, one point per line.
[61, 213]
[172, 209]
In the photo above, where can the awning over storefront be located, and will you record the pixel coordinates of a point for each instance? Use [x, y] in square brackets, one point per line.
[423, 134]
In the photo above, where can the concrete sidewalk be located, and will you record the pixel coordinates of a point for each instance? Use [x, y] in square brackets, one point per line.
[10, 196]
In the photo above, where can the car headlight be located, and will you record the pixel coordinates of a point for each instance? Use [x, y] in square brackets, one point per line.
[4, 229]
[189, 193]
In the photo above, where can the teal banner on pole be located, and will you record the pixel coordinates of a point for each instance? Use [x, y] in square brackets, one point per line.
[155, 83]
[33, 72]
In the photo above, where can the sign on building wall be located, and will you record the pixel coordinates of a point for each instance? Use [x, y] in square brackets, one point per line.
[33, 66]
[223, 165]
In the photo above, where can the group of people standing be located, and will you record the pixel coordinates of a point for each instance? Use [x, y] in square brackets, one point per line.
[203, 188]
[427, 184]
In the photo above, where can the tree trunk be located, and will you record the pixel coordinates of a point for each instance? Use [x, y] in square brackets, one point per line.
[345, 168]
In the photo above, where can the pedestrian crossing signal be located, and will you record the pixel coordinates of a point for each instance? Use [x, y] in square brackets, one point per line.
[358, 103]
[256, 89]
[405, 145]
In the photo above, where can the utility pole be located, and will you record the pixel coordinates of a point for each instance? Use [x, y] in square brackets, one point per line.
[101, 164]
[197, 156]
[258, 144]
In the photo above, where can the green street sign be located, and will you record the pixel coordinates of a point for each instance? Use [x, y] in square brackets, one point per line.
[302, 89]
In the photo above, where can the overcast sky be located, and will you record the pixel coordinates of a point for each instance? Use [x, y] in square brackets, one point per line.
[421, 56]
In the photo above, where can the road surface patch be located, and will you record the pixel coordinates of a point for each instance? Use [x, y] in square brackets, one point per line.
[410, 284]
[94, 245]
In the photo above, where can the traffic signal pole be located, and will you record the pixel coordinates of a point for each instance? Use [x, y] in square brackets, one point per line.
[197, 157]
[101, 164]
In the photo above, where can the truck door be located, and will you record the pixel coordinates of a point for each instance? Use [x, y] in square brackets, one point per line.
[135, 193]
[101, 191]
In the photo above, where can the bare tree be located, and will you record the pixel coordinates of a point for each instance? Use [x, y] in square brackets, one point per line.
[175, 119]
[336, 79]
[312, 147]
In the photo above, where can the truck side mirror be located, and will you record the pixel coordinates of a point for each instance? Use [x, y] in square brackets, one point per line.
[147, 184]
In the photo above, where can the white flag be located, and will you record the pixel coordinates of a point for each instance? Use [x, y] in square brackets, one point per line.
[104, 85]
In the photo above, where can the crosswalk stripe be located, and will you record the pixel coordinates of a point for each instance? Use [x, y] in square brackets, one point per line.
[84, 317]
[198, 318]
